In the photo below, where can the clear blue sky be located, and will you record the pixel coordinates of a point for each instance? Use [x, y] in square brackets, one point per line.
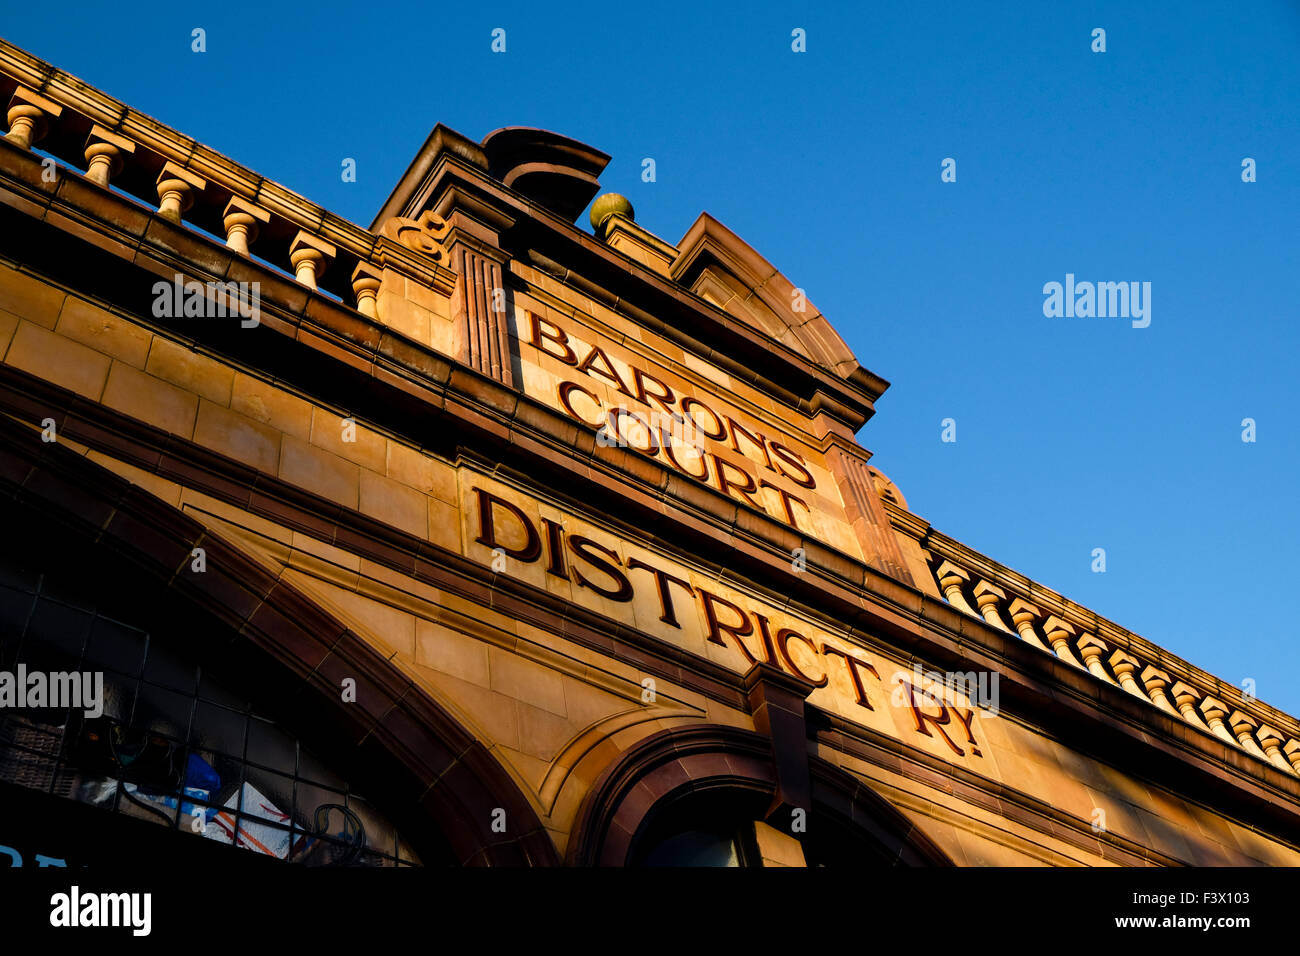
[1072, 434]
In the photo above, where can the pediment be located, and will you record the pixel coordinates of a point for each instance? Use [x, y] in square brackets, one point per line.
[723, 269]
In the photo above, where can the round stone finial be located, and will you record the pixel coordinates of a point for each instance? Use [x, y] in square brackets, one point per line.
[606, 206]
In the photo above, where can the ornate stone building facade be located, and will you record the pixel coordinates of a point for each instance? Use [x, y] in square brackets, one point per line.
[475, 537]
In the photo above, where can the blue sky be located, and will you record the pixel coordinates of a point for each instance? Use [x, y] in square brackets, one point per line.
[1072, 434]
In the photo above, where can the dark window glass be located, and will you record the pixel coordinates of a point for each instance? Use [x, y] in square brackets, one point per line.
[709, 828]
[175, 745]
[696, 848]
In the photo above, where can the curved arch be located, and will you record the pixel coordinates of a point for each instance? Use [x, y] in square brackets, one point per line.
[676, 762]
[855, 804]
[426, 756]
[586, 745]
[709, 245]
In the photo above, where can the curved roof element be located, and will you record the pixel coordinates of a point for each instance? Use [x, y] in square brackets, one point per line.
[886, 488]
[722, 268]
[552, 170]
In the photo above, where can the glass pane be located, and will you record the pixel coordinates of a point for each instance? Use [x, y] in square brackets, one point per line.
[695, 848]
[310, 768]
[119, 697]
[218, 729]
[163, 711]
[211, 688]
[58, 627]
[116, 646]
[380, 836]
[18, 578]
[164, 669]
[270, 746]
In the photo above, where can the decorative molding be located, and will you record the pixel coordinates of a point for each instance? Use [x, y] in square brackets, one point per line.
[1110, 653]
[425, 235]
[866, 512]
[675, 762]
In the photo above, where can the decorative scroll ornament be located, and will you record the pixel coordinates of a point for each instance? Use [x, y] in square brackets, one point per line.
[424, 235]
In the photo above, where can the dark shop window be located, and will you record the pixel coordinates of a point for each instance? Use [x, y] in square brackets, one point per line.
[173, 746]
[704, 829]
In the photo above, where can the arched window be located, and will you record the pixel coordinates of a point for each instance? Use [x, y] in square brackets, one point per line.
[708, 828]
[717, 828]
[170, 738]
[641, 813]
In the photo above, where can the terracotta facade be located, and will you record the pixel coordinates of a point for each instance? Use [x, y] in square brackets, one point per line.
[581, 516]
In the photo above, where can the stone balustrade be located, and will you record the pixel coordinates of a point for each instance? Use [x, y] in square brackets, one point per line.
[1042, 619]
[93, 135]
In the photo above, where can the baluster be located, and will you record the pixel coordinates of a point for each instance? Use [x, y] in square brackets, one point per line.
[310, 256]
[243, 222]
[366, 280]
[987, 598]
[1271, 742]
[1123, 665]
[1091, 647]
[1185, 698]
[1214, 712]
[1243, 727]
[1023, 615]
[29, 117]
[177, 187]
[104, 150]
[1292, 752]
[1156, 681]
[1058, 635]
[951, 578]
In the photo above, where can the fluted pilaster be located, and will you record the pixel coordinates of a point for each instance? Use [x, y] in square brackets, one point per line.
[482, 328]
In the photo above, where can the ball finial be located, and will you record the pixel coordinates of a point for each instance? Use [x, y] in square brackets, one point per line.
[606, 206]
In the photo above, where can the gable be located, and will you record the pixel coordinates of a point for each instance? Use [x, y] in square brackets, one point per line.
[722, 268]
